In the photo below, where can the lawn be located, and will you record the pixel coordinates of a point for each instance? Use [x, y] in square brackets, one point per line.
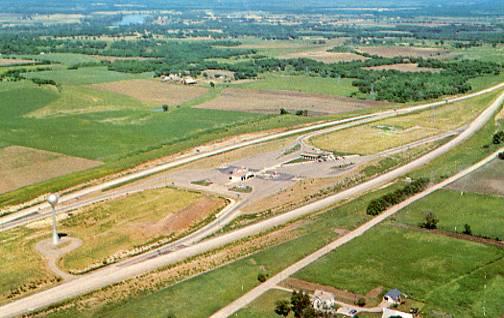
[121, 225]
[419, 264]
[484, 213]
[303, 84]
[264, 306]
[393, 132]
[85, 75]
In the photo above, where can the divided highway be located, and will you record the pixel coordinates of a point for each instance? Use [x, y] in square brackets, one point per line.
[124, 270]
[42, 210]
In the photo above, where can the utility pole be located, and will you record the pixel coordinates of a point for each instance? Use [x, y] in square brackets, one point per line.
[53, 200]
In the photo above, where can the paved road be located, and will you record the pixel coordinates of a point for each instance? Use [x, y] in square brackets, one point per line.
[43, 210]
[291, 270]
[116, 273]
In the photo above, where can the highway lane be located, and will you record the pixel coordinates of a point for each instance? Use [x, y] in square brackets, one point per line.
[118, 272]
[42, 210]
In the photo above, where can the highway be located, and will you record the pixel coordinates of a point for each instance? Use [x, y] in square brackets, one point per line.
[42, 210]
[124, 270]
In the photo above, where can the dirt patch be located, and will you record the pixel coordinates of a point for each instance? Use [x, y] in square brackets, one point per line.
[327, 57]
[406, 67]
[489, 179]
[270, 102]
[375, 292]
[22, 166]
[404, 51]
[153, 91]
[8, 62]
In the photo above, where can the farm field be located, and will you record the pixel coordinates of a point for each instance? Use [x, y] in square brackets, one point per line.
[120, 225]
[486, 180]
[483, 213]
[393, 257]
[85, 75]
[391, 51]
[79, 99]
[289, 48]
[302, 84]
[153, 92]
[270, 102]
[21, 166]
[483, 53]
[13, 62]
[407, 67]
[327, 57]
[63, 58]
[389, 133]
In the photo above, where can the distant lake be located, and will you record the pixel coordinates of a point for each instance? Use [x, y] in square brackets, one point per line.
[132, 19]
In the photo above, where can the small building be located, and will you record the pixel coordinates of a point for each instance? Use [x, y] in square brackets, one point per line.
[323, 301]
[393, 296]
[318, 156]
[189, 81]
[241, 174]
[390, 313]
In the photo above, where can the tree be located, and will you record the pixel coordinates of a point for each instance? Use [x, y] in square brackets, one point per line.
[165, 108]
[309, 312]
[498, 138]
[467, 229]
[262, 277]
[430, 222]
[501, 155]
[283, 111]
[299, 301]
[282, 308]
[212, 84]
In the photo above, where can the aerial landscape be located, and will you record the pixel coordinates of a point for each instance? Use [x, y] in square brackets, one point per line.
[252, 158]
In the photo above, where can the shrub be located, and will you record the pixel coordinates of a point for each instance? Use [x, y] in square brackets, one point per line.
[379, 205]
[430, 222]
[498, 138]
[262, 277]
[501, 155]
[467, 229]
[283, 111]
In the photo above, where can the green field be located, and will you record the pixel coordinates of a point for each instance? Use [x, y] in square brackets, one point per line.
[420, 264]
[484, 53]
[63, 58]
[483, 213]
[303, 84]
[85, 75]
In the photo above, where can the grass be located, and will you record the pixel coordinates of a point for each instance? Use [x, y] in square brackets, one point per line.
[483, 53]
[85, 75]
[419, 264]
[81, 99]
[483, 82]
[303, 84]
[63, 58]
[21, 266]
[393, 132]
[482, 212]
[121, 225]
[264, 306]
